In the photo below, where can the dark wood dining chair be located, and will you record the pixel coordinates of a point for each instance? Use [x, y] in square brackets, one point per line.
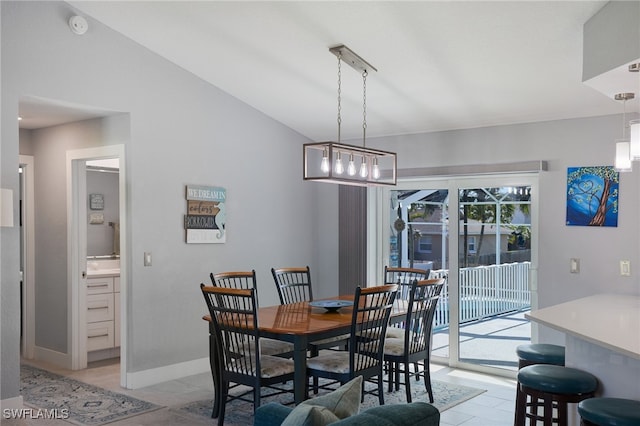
[235, 322]
[371, 311]
[247, 280]
[415, 345]
[293, 284]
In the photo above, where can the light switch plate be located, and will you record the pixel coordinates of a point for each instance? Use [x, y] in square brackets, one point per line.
[574, 265]
[147, 258]
[625, 268]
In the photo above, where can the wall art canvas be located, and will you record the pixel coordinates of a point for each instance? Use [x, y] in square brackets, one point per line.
[206, 219]
[592, 196]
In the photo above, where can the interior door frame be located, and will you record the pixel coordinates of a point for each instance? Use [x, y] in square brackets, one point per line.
[378, 254]
[77, 250]
[27, 197]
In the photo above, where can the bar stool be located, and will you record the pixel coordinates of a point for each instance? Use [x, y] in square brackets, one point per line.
[551, 386]
[609, 412]
[540, 353]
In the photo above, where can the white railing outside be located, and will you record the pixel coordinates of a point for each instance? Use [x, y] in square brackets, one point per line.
[485, 291]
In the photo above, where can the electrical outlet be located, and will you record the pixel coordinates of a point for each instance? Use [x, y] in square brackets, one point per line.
[625, 268]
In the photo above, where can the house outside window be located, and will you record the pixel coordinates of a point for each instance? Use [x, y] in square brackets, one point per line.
[472, 244]
[426, 243]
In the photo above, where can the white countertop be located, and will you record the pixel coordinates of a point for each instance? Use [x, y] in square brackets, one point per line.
[608, 320]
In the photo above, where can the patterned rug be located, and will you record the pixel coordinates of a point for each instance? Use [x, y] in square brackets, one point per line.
[240, 413]
[85, 404]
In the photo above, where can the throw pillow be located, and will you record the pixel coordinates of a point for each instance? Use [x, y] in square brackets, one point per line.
[344, 401]
[310, 415]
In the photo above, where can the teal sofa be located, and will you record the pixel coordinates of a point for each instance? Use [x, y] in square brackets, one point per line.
[413, 414]
[342, 407]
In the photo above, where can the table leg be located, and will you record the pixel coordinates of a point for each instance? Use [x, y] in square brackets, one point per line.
[300, 373]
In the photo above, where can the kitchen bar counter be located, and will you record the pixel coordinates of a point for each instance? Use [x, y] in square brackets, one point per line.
[602, 337]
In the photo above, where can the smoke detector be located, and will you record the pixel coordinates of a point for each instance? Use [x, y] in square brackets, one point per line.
[78, 25]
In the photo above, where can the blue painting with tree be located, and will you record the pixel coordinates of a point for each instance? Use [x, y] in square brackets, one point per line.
[592, 196]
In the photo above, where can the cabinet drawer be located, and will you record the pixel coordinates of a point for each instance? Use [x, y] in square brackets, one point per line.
[99, 335]
[116, 319]
[99, 307]
[99, 285]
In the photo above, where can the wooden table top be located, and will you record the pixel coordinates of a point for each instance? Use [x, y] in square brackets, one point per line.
[300, 318]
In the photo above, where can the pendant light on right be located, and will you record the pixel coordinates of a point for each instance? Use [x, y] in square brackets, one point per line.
[623, 146]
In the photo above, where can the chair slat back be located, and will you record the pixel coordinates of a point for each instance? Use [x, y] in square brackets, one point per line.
[422, 306]
[293, 284]
[237, 279]
[371, 312]
[233, 313]
[404, 277]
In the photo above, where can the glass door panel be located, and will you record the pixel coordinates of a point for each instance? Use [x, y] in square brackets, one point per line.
[419, 239]
[494, 258]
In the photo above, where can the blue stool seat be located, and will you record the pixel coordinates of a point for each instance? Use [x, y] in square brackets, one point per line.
[556, 379]
[545, 392]
[610, 411]
[541, 353]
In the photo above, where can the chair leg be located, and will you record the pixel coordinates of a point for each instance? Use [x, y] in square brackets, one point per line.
[407, 382]
[397, 375]
[380, 389]
[427, 380]
[223, 402]
[390, 375]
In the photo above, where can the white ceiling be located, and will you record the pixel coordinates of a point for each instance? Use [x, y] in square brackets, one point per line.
[441, 65]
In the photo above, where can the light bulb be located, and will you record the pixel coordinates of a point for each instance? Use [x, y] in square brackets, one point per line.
[324, 165]
[351, 168]
[339, 166]
[363, 168]
[376, 169]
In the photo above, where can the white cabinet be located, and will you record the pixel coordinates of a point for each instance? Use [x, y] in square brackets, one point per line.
[103, 313]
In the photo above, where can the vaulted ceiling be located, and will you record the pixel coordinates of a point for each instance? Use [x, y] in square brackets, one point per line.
[441, 65]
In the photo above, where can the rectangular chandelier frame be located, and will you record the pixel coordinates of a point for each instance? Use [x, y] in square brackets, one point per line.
[320, 160]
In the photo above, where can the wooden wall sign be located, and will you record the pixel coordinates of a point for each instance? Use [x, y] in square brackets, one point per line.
[205, 220]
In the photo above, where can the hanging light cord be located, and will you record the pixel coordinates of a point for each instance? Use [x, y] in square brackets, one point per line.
[624, 116]
[339, 93]
[364, 108]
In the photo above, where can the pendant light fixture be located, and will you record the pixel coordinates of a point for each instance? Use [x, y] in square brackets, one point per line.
[325, 161]
[623, 149]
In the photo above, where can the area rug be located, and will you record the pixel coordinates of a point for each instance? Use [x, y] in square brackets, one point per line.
[85, 404]
[240, 413]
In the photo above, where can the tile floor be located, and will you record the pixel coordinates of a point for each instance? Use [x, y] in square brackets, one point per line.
[492, 408]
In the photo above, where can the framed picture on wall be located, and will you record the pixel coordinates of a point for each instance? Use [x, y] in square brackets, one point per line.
[592, 196]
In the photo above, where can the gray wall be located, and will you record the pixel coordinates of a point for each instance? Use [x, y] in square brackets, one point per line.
[182, 131]
[563, 144]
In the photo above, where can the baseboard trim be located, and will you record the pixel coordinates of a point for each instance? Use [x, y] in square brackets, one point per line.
[153, 376]
[52, 357]
[14, 403]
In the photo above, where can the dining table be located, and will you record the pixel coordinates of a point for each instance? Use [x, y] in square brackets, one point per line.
[299, 324]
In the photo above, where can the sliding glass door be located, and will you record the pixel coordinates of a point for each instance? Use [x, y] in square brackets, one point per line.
[481, 235]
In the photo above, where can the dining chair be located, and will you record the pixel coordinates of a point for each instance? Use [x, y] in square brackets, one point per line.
[404, 277]
[415, 345]
[247, 280]
[293, 284]
[235, 321]
[371, 311]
